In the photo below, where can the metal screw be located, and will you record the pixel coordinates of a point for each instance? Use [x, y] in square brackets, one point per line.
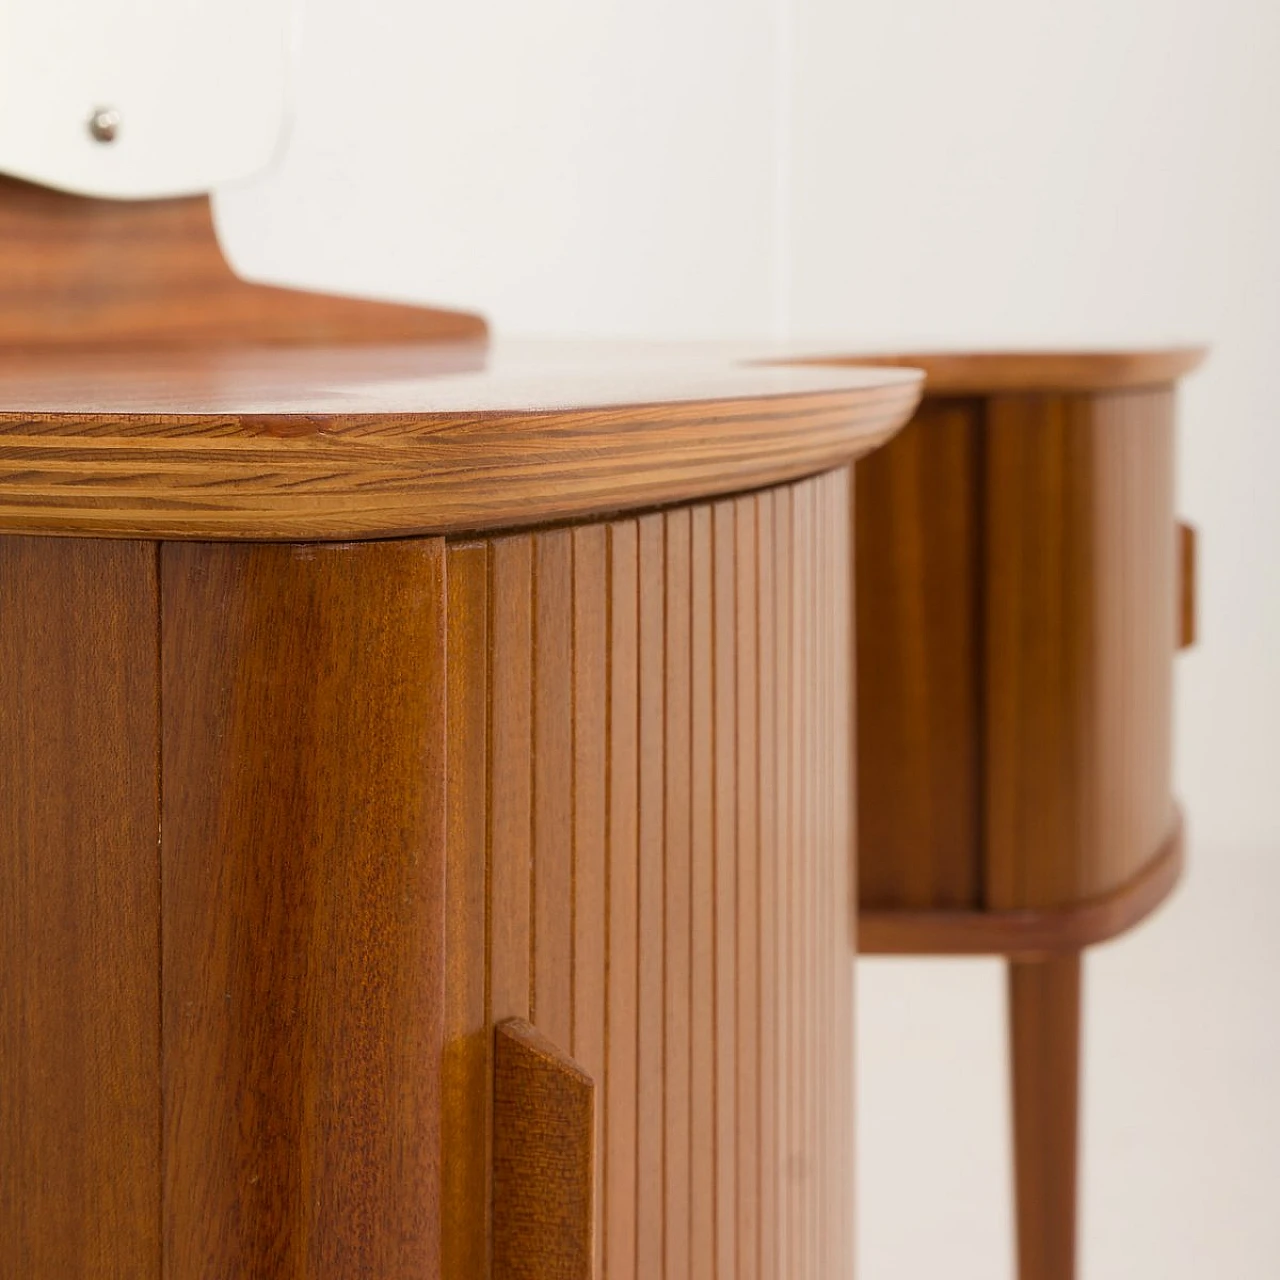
[104, 124]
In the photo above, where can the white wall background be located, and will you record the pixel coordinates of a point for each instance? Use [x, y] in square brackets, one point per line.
[570, 166]
[1007, 171]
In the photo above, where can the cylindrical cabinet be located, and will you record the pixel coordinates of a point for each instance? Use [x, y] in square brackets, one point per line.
[1022, 589]
[457, 904]
[1018, 555]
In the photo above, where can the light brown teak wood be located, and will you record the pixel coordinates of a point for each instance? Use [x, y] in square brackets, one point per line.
[80, 1125]
[980, 374]
[1187, 584]
[302, 852]
[125, 275]
[1044, 1040]
[147, 392]
[1022, 588]
[341, 809]
[425, 783]
[543, 1158]
[375, 441]
[691, 915]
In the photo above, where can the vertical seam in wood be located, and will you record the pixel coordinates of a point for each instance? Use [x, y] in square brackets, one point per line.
[736, 775]
[486, 1212]
[979, 517]
[534, 542]
[693, 854]
[639, 880]
[795, 777]
[761, 1083]
[715, 918]
[442, 887]
[158, 569]
[573, 795]
[662, 764]
[608, 879]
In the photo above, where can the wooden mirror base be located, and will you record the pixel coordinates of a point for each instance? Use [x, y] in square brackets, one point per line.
[77, 272]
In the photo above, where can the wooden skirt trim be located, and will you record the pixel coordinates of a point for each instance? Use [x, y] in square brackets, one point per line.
[1030, 932]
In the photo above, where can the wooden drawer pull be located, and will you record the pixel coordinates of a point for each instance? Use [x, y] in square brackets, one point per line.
[1187, 586]
[543, 1159]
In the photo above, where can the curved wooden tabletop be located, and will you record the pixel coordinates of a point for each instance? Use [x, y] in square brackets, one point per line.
[380, 441]
[958, 373]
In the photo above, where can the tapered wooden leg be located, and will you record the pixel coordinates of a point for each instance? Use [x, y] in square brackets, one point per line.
[1044, 1037]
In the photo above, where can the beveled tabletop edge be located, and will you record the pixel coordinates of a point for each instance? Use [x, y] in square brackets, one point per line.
[306, 444]
[991, 372]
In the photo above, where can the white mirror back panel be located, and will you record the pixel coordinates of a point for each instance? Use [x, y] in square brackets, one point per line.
[132, 98]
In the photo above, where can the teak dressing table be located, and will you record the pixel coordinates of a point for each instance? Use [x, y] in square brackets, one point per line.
[1022, 588]
[370, 694]
[371, 691]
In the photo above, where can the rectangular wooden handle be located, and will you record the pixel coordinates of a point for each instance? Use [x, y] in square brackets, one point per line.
[543, 1159]
[1187, 585]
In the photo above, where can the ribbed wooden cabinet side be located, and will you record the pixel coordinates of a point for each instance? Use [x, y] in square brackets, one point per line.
[1017, 614]
[341, 810]
[648, 824]
[1081, 629]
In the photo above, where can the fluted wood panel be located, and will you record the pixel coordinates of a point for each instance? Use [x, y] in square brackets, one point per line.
[594, 780]
[664, 754]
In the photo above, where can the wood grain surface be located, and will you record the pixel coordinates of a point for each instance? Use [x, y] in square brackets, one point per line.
[468, 1040]
[594, 779]
[985, 373]
[919, 550]
[1027, 932]
[1044, 1039]
[303, 906]
[367, 441]
[1019, 610]
[543, 1157]
[1022, 590]
[1189, 595]
[77, 272]
[708, 980]
[1080, 632]
[79, 911]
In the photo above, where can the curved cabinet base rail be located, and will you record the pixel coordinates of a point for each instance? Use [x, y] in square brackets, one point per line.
[1044, 931]
[543, 1158]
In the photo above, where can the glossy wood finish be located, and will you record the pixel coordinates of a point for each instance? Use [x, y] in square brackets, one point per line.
[1029, 932]
[303, 788]
[686, 938]
[349, 807]
[80, 1120]
[1017, 699]
[543, 1156]
[988, 373]
[1080, 634]
[1022, 591]
[364, 442]
[1189, 600]
[124, 274]
[919, 555]
[1044, 1012]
